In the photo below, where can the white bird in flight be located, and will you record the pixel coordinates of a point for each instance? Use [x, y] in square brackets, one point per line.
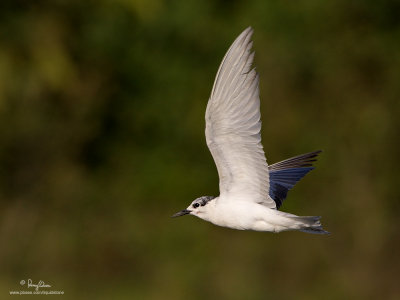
[251, 192]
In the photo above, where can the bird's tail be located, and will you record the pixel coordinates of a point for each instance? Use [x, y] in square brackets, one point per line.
[310, 225]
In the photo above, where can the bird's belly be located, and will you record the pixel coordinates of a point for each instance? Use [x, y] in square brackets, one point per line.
[248, 216]
[242, 216]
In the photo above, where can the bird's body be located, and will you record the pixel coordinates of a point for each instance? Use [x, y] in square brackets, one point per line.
[251, 192]
[244, 215]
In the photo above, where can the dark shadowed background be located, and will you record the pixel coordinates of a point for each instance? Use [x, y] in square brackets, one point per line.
[102, 139]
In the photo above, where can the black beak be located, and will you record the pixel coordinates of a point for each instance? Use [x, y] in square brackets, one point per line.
[181, 213]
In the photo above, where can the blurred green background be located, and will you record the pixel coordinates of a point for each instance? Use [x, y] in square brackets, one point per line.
[102, 138]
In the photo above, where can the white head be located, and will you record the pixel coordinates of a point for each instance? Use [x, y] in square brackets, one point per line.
[199, 208]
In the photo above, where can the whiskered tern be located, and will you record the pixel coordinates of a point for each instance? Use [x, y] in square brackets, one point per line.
[251, 192]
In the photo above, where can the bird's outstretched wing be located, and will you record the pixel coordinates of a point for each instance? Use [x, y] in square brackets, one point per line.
[233, 126]
[285, 174]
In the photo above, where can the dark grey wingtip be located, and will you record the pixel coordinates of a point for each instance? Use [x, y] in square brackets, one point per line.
[299, 161]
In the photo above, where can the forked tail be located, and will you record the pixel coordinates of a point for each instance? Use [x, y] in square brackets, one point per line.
[311, 225]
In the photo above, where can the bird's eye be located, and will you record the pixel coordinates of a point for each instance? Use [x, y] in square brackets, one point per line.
[196, 205]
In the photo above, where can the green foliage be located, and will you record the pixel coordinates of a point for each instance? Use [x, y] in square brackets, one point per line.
[102, 139]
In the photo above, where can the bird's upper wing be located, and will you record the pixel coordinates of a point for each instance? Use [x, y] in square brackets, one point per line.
[233, 126]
